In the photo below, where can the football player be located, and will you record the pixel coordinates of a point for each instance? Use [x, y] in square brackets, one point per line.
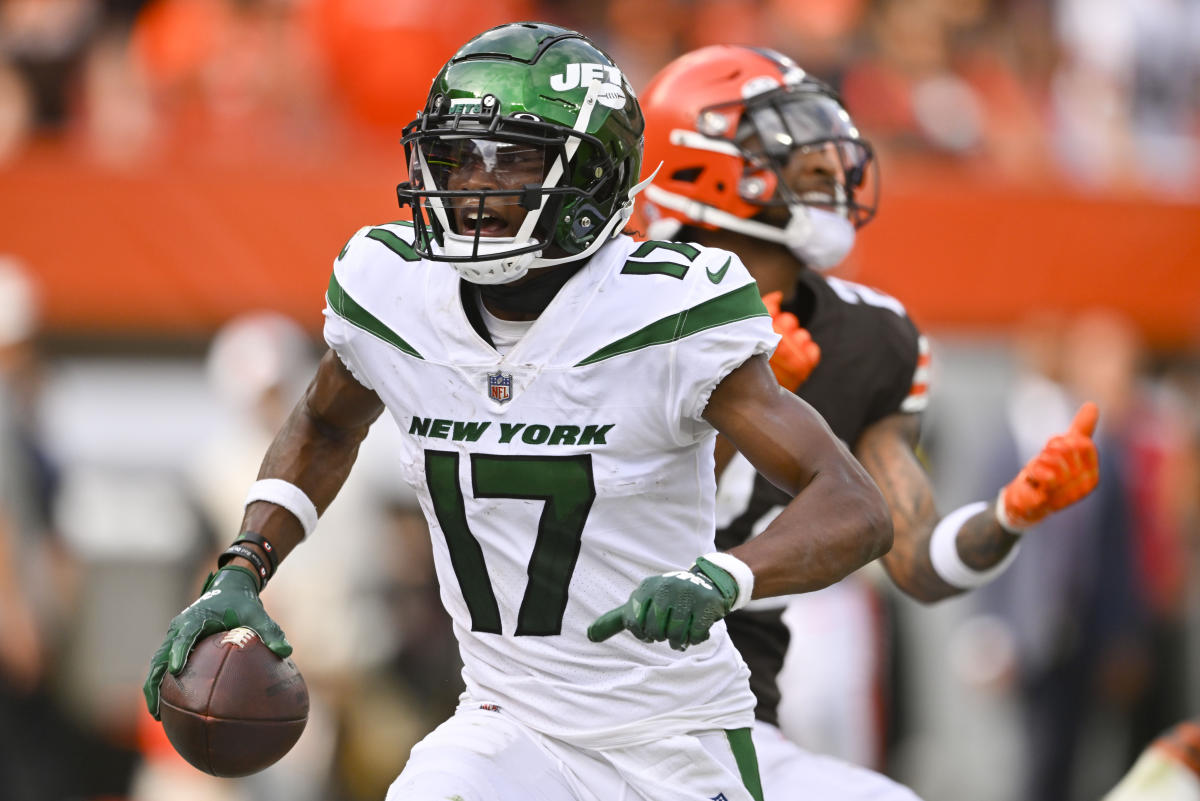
[760, 158]
[559, 387]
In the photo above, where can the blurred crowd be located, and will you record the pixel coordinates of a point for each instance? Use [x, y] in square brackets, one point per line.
[122, 477]
[1103, 93]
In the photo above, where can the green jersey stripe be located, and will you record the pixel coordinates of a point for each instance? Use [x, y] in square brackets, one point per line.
[747, 760]
[394, 244]
[740, 304]
[655, 268]
[345, 306]
[689, 252]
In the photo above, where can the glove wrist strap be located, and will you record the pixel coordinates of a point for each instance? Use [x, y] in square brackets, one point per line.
[739, 571]
[1003, 519]
[212, 577]
[943, 551]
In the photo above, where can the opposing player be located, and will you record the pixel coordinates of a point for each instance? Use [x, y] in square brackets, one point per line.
[559, 386]
[762, 159]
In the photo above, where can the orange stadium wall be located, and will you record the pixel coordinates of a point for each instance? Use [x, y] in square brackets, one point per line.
[177, 249]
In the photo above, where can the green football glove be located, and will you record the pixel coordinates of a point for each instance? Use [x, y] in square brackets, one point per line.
[229, 599]
[679, 607]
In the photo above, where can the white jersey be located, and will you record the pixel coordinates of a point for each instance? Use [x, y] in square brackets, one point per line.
[558, 476]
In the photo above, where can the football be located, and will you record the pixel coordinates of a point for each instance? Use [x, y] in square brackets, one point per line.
[235, 708]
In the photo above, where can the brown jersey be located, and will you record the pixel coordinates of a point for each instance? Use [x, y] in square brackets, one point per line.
[874, 363]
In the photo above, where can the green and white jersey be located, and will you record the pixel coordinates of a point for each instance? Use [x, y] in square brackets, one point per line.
[555, 478]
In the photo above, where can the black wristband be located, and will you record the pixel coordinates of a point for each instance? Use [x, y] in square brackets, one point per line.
[249, 555]
[261, 542]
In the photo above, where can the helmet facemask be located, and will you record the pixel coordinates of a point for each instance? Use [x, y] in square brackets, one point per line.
[497, 195]
[801, 148]
[805, 178]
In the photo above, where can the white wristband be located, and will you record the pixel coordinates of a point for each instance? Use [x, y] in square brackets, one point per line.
[741, 572]
[1002, 516]
[943, 551]
[289, 496]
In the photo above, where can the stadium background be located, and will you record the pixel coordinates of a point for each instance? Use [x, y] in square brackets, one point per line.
[177, 175]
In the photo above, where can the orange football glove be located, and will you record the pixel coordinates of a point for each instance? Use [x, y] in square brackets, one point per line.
[1064, 472]
[797, 354]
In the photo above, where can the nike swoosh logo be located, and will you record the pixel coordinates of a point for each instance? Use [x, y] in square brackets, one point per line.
[719, 274]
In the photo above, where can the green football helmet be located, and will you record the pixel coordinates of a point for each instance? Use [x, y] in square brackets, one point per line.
[526, 155]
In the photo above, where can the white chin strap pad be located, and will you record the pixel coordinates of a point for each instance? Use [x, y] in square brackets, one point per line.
[824, 240]
[821, 239]
[495, 271]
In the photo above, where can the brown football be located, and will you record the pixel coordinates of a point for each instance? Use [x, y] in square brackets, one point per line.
[235, 708]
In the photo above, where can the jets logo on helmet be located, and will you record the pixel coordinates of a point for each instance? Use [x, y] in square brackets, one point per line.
[466, 105]
[750, 143]
[526, 155]
[611, 94]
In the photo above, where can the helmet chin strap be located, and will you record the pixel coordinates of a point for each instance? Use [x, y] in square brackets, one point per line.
[611, 229]
[821, 239]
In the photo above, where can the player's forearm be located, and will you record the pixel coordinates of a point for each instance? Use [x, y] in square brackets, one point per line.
[837, 524]
[886, 451]
[836, 521]
[981, 544]
[313, 452]
[313, 456]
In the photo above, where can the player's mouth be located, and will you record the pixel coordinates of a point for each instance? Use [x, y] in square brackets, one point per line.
[488, 222]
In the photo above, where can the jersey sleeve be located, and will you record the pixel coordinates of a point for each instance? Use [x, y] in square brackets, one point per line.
[728, 325]
[339, 333]
[906, 389]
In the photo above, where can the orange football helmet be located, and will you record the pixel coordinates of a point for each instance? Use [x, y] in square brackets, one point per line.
[750, 142]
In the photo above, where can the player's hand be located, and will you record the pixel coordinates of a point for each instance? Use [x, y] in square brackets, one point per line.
[680, 607]
[229, 599]
[796, 355]
[1065, 471]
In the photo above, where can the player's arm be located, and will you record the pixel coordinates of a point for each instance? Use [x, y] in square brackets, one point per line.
[314, 451]
[887, 449]
[936, 557]
[836, 523]
[304, 468]
[795, 357]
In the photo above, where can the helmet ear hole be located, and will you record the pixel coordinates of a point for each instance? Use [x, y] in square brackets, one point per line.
[578, 226]
[688, 174]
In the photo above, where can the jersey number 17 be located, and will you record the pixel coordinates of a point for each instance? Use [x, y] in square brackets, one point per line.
[563, 482]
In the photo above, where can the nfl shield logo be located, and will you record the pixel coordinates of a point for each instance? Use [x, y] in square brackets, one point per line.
[499, 387]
